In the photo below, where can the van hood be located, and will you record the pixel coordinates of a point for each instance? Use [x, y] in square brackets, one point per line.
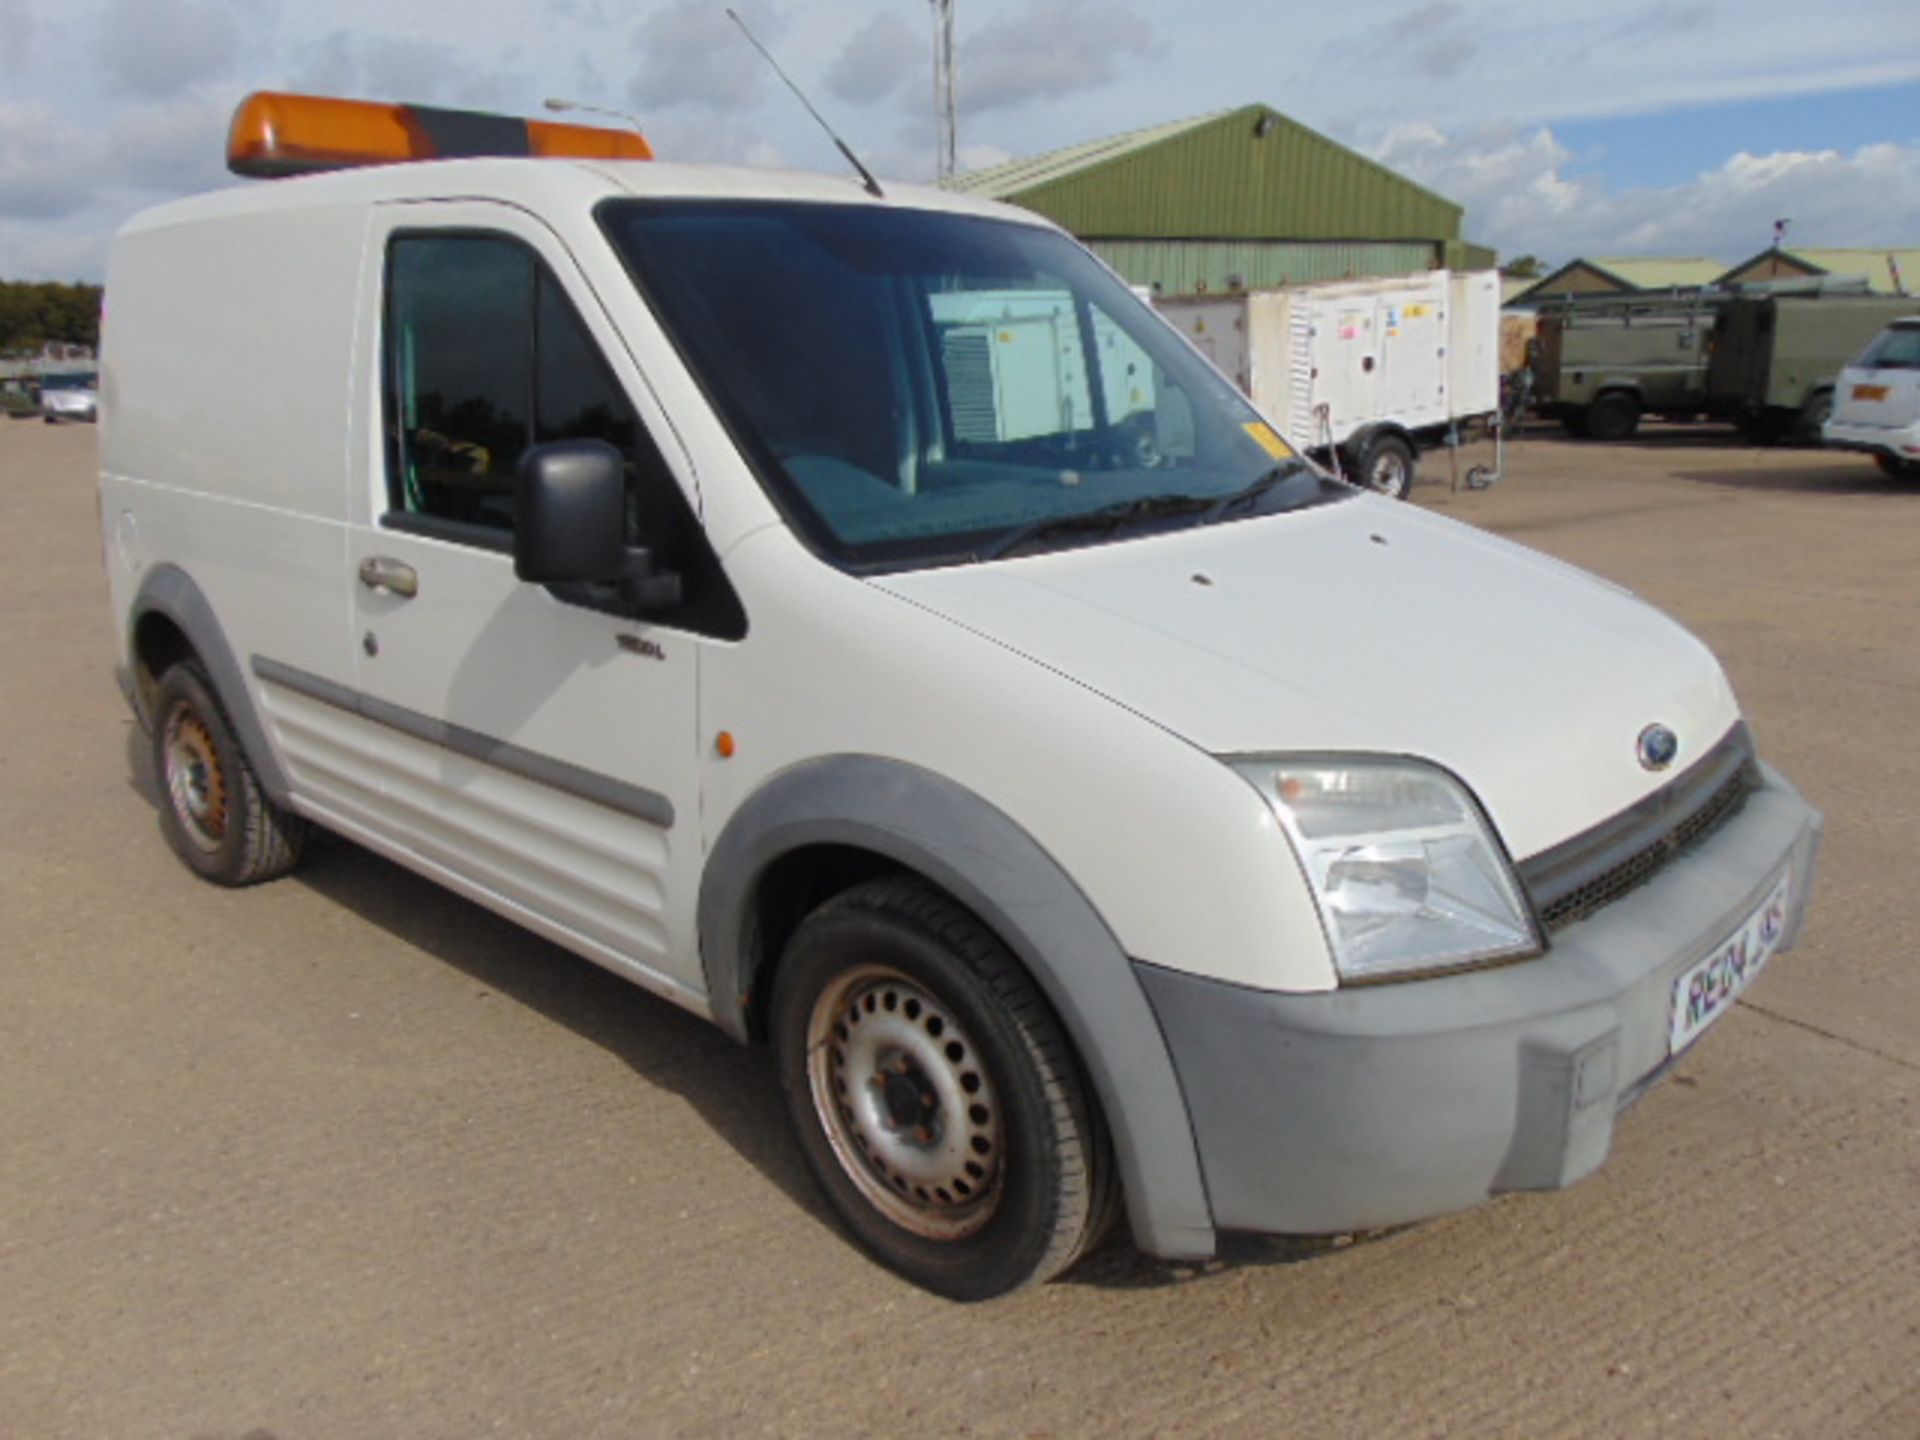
[1366, 626]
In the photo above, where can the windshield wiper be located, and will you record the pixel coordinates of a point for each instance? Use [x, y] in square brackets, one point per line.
[1219, 509]
[1101, 518]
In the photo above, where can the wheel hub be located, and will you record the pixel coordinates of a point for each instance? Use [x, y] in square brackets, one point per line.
[196, 785]
[906, 1103]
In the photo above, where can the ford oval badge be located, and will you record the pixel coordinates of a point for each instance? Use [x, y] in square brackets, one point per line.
[1658, 745]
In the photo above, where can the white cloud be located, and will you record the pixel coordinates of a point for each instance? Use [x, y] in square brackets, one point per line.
[171, 147]
[1435, 40]
[16, 25]
[156, 48]
[1521, 198]
[692, 55]
[48, 167]
[878, 59]
[1047, 51]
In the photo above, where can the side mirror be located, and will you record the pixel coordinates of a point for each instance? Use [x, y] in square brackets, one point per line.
[569, 531]
[569, 518]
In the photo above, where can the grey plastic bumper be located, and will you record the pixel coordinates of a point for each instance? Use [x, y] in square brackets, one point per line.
[1384, 1104]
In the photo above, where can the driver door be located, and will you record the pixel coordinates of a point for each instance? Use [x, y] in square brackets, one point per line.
[536, 754]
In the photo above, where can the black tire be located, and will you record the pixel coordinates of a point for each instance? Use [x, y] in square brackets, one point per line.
[1813, 413]
[1894, 468]
[212, 810]
[1385, 467]
[1614, 416]
[934, 1096]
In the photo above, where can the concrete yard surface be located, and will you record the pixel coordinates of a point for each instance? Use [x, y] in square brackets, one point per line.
[346, 1156]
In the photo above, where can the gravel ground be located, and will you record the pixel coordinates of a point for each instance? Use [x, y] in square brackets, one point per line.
[347, 1156]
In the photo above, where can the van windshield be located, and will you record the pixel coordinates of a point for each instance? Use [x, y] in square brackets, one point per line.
[925, 388]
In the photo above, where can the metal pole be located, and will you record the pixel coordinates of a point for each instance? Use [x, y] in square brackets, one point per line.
[945, 101]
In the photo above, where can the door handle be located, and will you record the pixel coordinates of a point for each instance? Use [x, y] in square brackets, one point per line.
[396, 577]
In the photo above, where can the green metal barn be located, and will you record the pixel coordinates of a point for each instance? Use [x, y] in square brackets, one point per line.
[1240, 199]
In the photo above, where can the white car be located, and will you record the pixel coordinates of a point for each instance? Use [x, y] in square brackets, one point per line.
[70, 397]
[1095, 807]
[1876, 401]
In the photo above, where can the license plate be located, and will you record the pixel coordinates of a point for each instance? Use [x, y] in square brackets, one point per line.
[1707, 991]
[1869, 392]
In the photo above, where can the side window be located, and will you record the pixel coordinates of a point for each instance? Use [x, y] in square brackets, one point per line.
[460, 346]
[485, 357]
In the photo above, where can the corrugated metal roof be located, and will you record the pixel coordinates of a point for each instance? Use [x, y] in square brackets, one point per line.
[1873, 262]
[1244, 174]
[1630, 272]
[1660, 272]
[1006, 181]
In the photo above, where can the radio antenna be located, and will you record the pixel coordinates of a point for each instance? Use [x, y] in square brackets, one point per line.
[873, 185]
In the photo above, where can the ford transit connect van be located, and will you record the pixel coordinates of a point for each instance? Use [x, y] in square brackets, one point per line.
[858, 619]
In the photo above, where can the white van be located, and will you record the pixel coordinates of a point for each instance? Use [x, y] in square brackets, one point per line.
[1116, 814]
[1876, 401]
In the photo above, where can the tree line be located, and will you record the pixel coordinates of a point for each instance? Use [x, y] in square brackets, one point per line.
[33, 312]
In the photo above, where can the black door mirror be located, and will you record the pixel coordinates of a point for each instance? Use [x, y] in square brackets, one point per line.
[570, 514]
[570, 523]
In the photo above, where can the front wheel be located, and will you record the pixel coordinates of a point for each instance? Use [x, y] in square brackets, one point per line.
[935, 1099]
[1895, 468]
[1386, 467]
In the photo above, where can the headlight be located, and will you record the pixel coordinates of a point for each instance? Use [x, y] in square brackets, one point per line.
[1406, 871]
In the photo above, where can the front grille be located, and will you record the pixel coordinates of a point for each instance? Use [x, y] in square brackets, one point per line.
[1591, 871]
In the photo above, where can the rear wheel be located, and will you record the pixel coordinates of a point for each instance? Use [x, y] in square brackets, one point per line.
[934, 1096]
[1614, 416]
[1386, 467]
[1896, 468]
[212, 809]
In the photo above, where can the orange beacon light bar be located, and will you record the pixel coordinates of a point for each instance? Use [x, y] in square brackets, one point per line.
[275, 134]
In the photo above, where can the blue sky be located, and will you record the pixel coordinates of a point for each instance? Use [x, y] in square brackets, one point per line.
[1647, 126]
[1672, 146]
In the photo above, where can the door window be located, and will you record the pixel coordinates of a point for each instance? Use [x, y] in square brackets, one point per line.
[486, 357]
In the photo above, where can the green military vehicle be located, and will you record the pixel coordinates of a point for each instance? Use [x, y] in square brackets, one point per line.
[1602, 361]
[1775, 357]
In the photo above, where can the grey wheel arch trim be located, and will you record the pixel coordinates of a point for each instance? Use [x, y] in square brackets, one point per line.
[168, 590]
[975, 852]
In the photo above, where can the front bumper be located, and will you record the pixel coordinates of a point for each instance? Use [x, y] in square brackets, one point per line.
[1903, 443]
[1379, 1105]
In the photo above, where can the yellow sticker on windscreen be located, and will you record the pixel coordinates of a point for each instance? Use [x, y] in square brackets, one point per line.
[1268, 440]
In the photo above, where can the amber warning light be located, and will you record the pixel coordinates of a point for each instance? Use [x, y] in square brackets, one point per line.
[275, 134]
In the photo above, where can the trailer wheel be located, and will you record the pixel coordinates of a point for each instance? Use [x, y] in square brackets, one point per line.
[1614, 416]
[1386, 467]
[1814, 412]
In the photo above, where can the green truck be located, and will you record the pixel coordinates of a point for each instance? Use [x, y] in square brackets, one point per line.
[1601, 362]
[1775, 357]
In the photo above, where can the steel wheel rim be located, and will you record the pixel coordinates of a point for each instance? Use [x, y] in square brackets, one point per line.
[1385, 474]
[906, 1103]
[196, 785]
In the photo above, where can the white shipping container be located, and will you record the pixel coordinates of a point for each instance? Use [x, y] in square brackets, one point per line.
[1416, 352]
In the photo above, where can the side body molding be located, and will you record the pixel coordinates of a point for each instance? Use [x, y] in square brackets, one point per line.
[168, 590]
[928, 823]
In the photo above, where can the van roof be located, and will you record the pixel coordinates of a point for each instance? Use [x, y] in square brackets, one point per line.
[546, 184]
